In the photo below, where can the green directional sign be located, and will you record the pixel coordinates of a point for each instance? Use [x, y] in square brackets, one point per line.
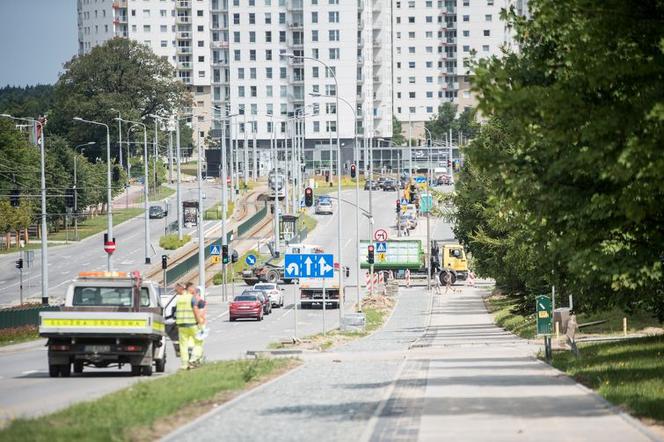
[544, 315]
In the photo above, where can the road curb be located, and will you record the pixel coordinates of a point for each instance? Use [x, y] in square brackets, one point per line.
[15, 348]
[185, 429]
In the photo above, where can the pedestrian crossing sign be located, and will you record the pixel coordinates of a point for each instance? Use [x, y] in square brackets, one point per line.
[381, 247]
[215, 250]
[381, 257]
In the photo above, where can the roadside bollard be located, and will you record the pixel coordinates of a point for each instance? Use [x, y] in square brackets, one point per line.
[625, 326]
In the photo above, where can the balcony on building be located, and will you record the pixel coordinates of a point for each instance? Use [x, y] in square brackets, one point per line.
[183, 50]
[296, 5]
[120, 4]
[183, 35]
[183, 4]
[183, 19]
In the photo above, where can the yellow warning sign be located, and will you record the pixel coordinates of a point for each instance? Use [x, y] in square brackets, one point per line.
[381, 257]
[216, 259]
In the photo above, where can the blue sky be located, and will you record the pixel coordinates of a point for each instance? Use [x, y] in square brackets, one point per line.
[36, 38]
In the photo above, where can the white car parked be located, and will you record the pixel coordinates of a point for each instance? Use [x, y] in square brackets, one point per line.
[273, 291]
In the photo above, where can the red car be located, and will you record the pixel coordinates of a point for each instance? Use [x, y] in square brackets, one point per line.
[247, 305]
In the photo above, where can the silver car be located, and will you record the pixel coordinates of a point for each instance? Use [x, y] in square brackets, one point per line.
[324, 207]
[273, 291]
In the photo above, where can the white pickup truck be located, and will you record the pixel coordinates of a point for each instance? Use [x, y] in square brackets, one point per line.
[109, 318]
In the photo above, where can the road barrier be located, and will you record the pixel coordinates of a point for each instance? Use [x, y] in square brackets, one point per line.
[23, 315]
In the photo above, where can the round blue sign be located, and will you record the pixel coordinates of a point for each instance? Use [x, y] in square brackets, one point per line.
[250, 260]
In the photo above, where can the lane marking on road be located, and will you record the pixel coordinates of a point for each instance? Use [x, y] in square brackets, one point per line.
[30, 372]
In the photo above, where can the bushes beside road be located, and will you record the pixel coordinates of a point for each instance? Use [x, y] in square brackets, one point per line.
[172, 242]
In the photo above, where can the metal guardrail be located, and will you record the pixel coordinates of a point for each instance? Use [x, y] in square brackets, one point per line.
[22, 316]
[251, 222]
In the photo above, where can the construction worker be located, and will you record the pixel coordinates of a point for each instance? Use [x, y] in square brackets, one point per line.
[186, 318]
[202, 331]
[447, 280]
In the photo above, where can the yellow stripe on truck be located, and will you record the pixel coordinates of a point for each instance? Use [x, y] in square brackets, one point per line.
[138, 323]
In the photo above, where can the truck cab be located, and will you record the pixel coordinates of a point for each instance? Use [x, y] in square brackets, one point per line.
[454, 258]
[108, 319]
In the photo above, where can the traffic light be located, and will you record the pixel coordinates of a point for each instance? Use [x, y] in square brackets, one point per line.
[308, 197]
[164, 262]
[234, 256]
[15, 198]
[116, 174]
[70, 195]
[224, 254]
[398, 206]
[327, 176]
[353, 171]
[19, 263]
[370, 254]
[449, 163]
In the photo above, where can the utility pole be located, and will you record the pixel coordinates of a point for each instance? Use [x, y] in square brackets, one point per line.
[201, 234]
[178, 194]
[170, 156]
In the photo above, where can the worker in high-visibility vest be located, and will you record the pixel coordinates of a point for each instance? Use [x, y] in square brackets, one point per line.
[187, 319]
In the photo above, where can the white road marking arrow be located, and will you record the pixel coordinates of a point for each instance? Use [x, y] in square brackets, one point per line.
[308, 263]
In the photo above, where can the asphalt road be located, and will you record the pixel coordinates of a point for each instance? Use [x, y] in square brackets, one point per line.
[65, 261]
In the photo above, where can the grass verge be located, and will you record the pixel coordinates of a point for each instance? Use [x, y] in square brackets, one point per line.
[376, 309]
[171, 241]
[502, 309]
[190, 168]
[214, 212]
[627, 373]
[16, 335]
[148, 409]
[162, 193]
[308, 221]
[29, 246]
[92, 226]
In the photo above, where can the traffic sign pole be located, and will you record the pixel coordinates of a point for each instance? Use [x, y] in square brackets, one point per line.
[324, 325]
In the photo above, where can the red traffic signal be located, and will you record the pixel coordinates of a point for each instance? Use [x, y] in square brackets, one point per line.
[353, 171]
[370, 254]
[308, 197]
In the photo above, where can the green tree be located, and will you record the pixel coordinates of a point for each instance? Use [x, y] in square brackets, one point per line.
[121, 74]
[443, 121]
[576, 168]
[397, 133]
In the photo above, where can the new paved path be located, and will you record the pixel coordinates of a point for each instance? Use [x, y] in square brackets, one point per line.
[438, 371]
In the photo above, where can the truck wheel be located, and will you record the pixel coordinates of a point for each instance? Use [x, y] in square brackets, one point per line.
[135, 370]
[65, 370]
[146, 370]
[272, 276]
[453, 279]
[54, 371]
[160, 364]
[78, 366]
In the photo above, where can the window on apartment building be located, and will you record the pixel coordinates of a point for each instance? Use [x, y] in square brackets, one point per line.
[236, 19]
[411, 4]
[333, 34]
[240, 73]
[429, 19]
[411, 94]
[330, 90]
[282, 18]
[268, 91]
[398, 5]
[398, 20]
[282, 36]
[252, 73]
[429, 94]
[252, 37]
[236, 55]
[334, 53]
[315, 72]
[411, 35]
[314, 17]
[411, 80]
[399, 109]
[146, 13]
[200, 28]
[412, 109]
[487, 17]
[333, 2]
[163, 12]
[316, 126]
[398, 80]
[236, 2]
[466, 48]
[429, 109]
[466, 33]
[429, 79]
[428, 34]
[253, 91]
[146, 28]
[106, 28]
[283, 91]
[398, 35]
[268, 36]
[466, 2]
[314, 52]
[429, 64]
[411, 49]
[315, 89]
[314, 35]
[466, 18]
[331, 126]
[254, 109]
[283, 73]
[236, 37]
[333, 16]
[429, 49]
[201, 43]
[240, 91]
[486, 32]
[252, 54]
[411, 65]
[268, 54]
[164, 43]
[485, 48]
[268, 18]
[133, 29]
[429, 4]
[331, 108]
[133, 12]
[331, 72]
[199, 13]
[269, 125]
[489, 2]
[399, 95]
[201, 58]
[268, 72]
[201, 74]
[268, 2]
[411, 19]
[269, 108]
[252, 18]
[398, 65]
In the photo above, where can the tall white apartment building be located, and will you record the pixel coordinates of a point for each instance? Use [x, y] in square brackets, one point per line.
[433, 41]
[234, 55]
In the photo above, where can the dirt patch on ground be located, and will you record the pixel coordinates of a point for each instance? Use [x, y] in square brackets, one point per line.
[191, 412]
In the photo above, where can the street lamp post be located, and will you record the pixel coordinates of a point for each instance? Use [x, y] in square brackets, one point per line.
[109, 195]
[146, 203]
[339, 214]
[90, 143]
[44, 229]
[119, 137]
[427, 253]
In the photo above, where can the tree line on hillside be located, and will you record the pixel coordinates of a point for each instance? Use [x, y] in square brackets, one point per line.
[119, 77]
[564, 184]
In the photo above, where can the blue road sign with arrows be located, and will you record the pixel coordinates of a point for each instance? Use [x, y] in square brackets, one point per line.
[311, 265]
[215, 249]
[250, 260]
